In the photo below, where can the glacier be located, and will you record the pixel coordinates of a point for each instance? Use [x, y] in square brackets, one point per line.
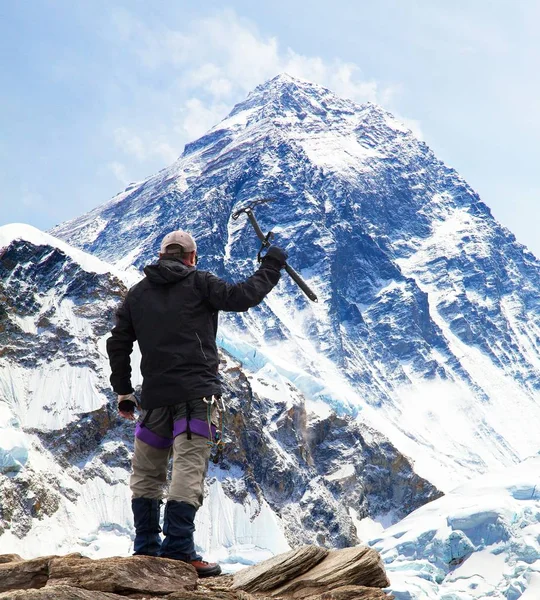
[481, 540]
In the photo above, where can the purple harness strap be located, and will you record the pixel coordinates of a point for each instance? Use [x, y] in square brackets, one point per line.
[197, 426]
[152, 439]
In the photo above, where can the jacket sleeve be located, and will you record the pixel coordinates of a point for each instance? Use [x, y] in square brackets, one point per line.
[238, 297]
[119, 349]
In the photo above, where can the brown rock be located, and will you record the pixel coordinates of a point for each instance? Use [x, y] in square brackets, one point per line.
[24, 574]
[59, 592]
[279, 569]
[205, 595]
[353, 592]
[5, 558]
[134, 574]
[360, 566]
[213, 588]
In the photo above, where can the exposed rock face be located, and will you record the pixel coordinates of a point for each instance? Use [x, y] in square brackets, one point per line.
[333, 465]
[29, 276]
[349, 566]
[24, 574]
[348, 573]
[136, 574]
[273, 572]
[6, 558]
[58, 592]
[310, 573]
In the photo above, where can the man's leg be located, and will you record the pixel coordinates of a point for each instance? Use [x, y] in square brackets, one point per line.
[190, 464]
[148, 479]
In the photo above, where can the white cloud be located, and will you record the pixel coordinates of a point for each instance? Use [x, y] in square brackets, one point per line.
[31, 198]
[225, 55]
[120, 171]
[144, 145]
[130, 142]
[199, 118]
[211, 65]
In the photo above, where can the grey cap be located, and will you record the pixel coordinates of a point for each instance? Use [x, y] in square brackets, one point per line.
[183, 238]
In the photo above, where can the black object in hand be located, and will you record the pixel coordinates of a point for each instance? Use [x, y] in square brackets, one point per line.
[126, 406]
[276, 254]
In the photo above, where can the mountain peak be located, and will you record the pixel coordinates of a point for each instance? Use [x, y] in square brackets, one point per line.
[287, 94]
[286, 81]
[292, 100]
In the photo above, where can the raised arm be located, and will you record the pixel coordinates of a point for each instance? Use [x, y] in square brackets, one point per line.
[238, 297]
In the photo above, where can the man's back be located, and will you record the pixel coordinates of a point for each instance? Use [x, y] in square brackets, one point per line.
[173, 314]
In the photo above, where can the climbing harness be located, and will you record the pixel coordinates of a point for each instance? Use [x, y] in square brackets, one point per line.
[215, 440]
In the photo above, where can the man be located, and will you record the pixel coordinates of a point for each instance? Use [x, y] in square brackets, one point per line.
[173, 314]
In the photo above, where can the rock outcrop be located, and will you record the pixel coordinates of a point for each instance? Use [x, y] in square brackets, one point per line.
[325, 574]
[308, 573]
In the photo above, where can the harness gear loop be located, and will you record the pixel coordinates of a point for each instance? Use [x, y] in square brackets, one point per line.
[215, 442]
[209, 404]
[221, 408]
[188, 418]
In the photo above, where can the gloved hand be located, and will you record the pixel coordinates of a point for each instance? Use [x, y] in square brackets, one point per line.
[276, 257]
[127, 403]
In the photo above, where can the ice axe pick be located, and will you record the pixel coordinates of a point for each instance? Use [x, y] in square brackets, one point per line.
[266, 242]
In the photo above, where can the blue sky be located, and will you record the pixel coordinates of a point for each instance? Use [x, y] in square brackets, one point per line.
[98, 93]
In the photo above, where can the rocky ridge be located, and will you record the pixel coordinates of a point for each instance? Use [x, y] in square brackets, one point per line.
[310, 573]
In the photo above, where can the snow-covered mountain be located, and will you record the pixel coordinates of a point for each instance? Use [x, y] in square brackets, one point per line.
[428, 323]
[418, 369]
[287, 477]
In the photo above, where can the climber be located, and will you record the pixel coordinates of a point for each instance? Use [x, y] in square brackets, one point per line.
[173, 315]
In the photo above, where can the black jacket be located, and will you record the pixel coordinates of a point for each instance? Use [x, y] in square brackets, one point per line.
[173, 314]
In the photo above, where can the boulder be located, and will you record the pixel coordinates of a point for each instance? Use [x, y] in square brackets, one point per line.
[359, 566]
[308, 573]
[24, 574]
[131, 575]
[279, 569]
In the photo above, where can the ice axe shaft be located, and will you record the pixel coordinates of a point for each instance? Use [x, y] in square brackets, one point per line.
[265, 239]
[292, 273]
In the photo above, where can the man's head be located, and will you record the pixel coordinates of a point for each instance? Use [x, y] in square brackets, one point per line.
[179, 244]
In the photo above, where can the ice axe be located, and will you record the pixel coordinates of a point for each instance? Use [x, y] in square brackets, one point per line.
[266, 242]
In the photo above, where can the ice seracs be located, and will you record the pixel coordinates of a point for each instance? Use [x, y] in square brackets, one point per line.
[478, 541]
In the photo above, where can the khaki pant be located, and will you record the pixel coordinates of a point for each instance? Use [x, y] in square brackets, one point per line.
[189, 465]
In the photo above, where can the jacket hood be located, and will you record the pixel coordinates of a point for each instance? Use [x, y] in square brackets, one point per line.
[167, 271]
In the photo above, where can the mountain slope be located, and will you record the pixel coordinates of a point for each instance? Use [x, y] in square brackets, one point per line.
[287, 476]
[428, 321]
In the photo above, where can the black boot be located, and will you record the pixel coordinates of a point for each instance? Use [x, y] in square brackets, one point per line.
[147, 529]
[178, 527]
